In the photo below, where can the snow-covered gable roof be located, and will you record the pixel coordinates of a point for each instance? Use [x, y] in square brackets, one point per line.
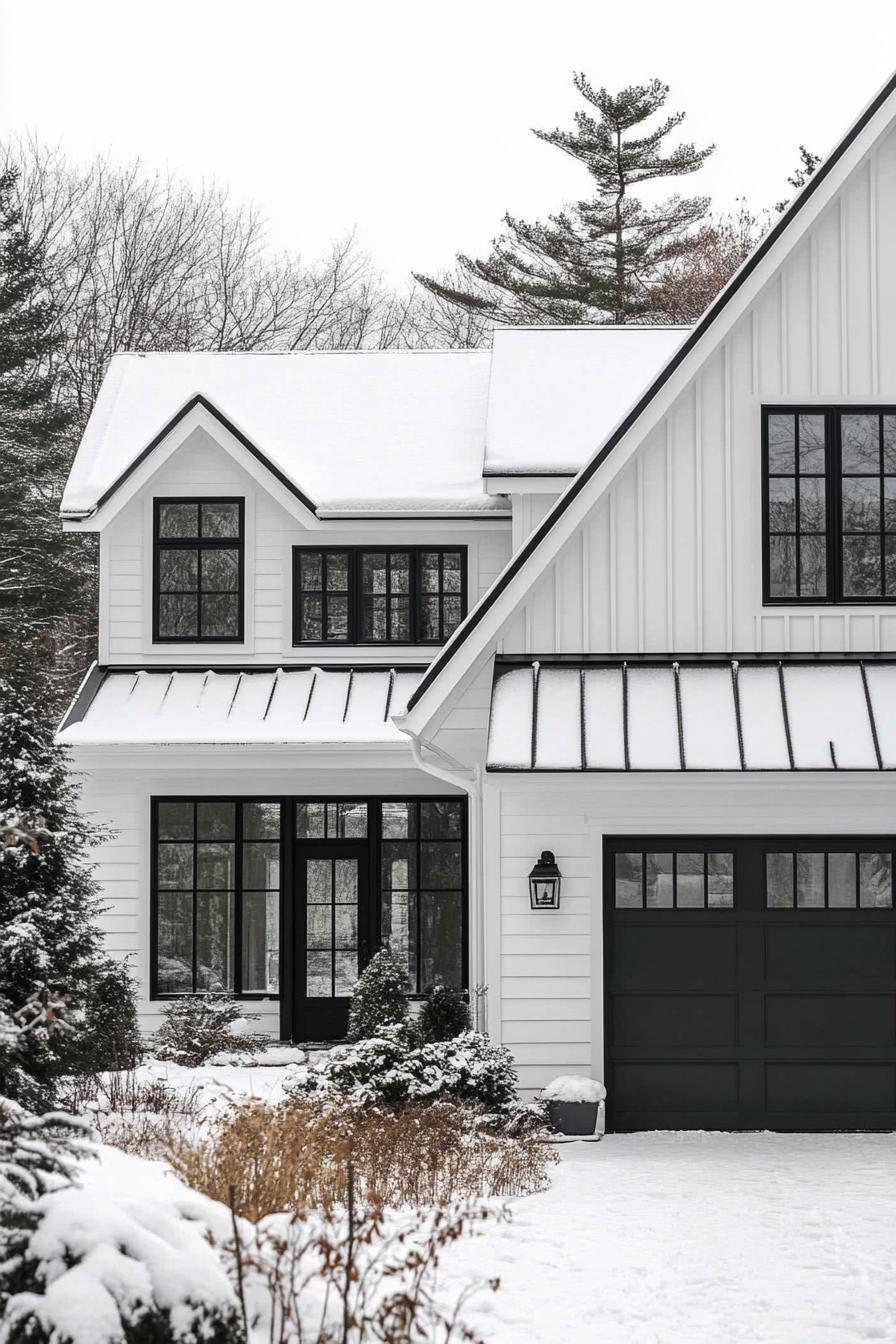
[473, 641]
[352, 431]
[294, 706]
[556, 392]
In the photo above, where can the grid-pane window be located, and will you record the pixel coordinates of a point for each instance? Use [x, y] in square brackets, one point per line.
[198, 549]
[421, 883]
[797, 505]
[322, 596]
[868, 504]
[836, 880]
[830, 504]
[331, 821]
[674, 880]
[217, 896]
[385, 594]
[407, 595]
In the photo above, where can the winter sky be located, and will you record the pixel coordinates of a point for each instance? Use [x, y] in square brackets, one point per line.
[409, 119]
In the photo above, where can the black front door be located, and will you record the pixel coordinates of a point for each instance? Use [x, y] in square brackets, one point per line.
[332, 917]
[751, 982]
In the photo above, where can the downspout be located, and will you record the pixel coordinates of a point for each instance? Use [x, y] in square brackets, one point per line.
[468, 778]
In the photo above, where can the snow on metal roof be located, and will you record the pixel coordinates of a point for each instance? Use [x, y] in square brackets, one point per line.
[556, 392]
[706, 716]
[354, 430]
[291, 706]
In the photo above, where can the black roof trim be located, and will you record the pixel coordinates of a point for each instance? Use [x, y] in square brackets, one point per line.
[200, 400]
[505, 660]
[696, 335]
[499, 473]
[85, 696]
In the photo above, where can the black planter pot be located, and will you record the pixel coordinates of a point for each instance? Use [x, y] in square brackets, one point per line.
[573, 1117]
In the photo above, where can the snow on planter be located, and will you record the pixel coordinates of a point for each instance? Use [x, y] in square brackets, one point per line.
[572, 1087]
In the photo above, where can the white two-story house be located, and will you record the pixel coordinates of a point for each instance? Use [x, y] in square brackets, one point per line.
[378, 629]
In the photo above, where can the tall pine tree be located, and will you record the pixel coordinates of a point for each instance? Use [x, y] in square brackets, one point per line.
[50, 943]
[42, 587]
[599, 259]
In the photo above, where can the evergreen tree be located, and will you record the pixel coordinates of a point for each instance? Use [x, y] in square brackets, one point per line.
[50, 945]
[42, 587]
[800, 176]
[379, 998]
[597, 260]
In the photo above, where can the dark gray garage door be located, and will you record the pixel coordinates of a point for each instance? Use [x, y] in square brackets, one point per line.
[750, 983]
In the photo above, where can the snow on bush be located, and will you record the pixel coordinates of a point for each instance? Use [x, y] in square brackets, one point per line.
[199, 1026]
[121, 1258]
[389, 1069]
[573, 1087]
[379, 998]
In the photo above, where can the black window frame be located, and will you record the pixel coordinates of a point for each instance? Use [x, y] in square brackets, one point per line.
[374, 848]
[239, 801]
[199, 543]
[355, 597]
[833, 477]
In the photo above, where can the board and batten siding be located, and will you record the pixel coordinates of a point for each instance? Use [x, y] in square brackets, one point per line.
[201, 467]
[544, 968]
[671, 557]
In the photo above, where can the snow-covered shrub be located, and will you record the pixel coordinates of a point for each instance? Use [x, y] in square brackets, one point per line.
[390, 1070]
[128, 1262]
[198, 1026]
[111, 1037]
[444, 1014]
[379, 998]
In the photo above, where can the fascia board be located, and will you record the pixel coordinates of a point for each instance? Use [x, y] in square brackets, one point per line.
[197, 417]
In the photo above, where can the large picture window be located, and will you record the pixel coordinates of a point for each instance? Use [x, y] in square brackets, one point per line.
[198, 561]
[404, 595]
[829, 504]
[422, 884]
[216, 896]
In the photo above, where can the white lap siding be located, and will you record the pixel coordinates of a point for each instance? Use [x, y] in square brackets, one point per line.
[544, 969]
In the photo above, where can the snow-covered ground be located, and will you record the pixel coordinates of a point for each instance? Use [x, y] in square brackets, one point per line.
[696, 1239]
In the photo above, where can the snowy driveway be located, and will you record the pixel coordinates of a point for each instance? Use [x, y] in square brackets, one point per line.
[696, 1239]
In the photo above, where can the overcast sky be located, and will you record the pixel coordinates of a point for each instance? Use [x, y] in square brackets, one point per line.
[410, 119]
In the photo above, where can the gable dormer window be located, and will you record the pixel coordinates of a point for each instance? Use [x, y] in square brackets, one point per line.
[198, 563]
[383, 595]
[829, 504]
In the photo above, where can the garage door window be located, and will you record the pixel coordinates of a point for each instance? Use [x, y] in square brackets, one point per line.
[686, 880]
[832, 881]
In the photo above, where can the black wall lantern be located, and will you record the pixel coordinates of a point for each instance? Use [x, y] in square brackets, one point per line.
[544, 883]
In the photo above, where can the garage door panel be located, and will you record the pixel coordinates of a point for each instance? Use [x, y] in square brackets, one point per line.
[770, 1006]
[830, 1088]
[833, 1020]
[673, 957]
[690, 1020]
[675, 1087]
[817, 955]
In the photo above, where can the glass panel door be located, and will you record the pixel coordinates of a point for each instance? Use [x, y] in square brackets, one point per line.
[331, 934]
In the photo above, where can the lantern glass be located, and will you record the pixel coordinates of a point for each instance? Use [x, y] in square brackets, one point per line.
[544, 883]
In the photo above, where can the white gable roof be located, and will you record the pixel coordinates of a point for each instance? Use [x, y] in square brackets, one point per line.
[556, 392]
[351, 430]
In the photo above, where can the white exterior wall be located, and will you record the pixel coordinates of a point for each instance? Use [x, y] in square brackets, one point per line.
[671, 558]
[116, 795]
[544, 969]
[203, 468]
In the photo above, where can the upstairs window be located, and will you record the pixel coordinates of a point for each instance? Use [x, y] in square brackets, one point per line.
[354, 595]
[829, 504]
[198, 571]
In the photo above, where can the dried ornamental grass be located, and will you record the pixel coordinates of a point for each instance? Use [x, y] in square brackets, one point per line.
[297, 1156]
